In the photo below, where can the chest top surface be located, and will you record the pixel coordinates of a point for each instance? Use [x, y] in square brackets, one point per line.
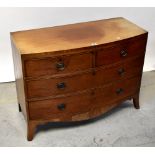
[74, 36]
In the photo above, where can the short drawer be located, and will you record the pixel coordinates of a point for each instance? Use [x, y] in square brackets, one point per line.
[65, 108]
[63, 85]
[121, 52]
[58, 65]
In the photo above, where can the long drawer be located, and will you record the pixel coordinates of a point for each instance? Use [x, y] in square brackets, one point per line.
[65, 108]
[58, 86]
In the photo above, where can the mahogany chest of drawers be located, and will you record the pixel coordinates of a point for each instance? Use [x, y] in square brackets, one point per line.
[77, 72]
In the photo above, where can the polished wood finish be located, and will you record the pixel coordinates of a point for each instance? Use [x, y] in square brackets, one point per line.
[49, 66]
[49, 87]
[31, 127]
[77, 72]
[75, 36]
[121, 52]
[82, 102]
[20, 87]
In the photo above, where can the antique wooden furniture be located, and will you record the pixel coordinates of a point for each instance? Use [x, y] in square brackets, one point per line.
[77, 72]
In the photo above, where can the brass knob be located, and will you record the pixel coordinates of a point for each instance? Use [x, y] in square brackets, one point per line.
[119, 91]
[60, 66]
[61, 85]
[123, 53]
[121, 71]
[61, 106]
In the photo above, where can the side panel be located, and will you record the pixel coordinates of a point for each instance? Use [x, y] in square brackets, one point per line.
[19, 80]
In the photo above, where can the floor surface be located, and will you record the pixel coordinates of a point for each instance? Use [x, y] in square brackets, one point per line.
[122, 126]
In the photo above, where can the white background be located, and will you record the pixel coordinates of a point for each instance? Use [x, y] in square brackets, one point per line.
[14, 19]
[114, 3]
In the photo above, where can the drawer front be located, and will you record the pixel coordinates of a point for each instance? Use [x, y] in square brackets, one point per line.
[60, 108]
[120, 52]
[119, 71]
[106, 98]
[57, 86]
[69, 108]
[117, 90]
[58, 65]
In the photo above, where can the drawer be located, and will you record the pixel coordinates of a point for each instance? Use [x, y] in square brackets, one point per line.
[70, 84]
[57, 86]
[108, 97]
[117, 90]
[120, 71]
[61, 108]
[58, 65]
[65, 108]
[120, 52]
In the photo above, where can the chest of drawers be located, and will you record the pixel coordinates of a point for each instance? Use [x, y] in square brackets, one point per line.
[77, 72]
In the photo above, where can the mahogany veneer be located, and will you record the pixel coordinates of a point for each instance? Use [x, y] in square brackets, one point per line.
[78, 71]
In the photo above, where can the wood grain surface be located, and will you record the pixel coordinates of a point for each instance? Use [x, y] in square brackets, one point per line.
[78, 71]
[74, 35]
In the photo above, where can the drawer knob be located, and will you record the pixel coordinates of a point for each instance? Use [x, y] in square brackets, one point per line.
[60, 66]
[119, 91]
[61, 106]
[121, 71]
[61, 85]
[123, 53]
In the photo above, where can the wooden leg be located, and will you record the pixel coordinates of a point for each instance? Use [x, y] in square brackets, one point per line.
[19, 107]
[31, 127]
[136, 101]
